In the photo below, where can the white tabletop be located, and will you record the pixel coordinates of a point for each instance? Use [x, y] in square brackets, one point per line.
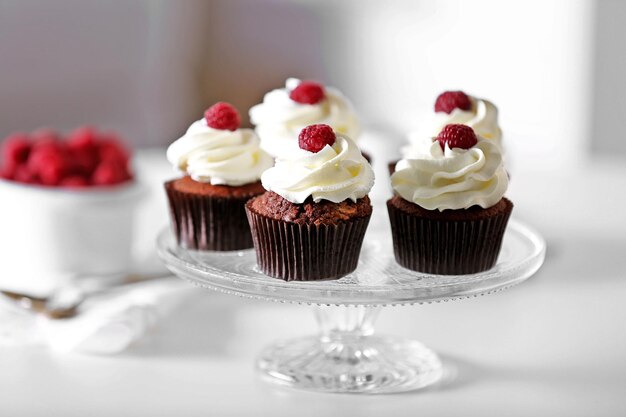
[553, 346]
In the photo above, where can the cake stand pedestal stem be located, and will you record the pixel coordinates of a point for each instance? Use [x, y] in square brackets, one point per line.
[348, 357]
[344, 331]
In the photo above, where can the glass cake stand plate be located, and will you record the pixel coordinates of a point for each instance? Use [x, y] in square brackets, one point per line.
[347, 356]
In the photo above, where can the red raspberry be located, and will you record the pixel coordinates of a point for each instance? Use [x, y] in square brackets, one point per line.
[47, 141]
[24, 175]
[74, 181]
[313, 138]
[7, 172]
[86, 157]
[457, 136]
[450, 100]
[83, 148]
[308, 92]
[222, 116]
[117, 159]
[15, 149]
[110, 148]
[52, 169]
[48, 160]
[82, 138]
[109, 173]
[84, 161]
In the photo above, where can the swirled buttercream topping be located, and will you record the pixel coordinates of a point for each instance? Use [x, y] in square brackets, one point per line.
[453, 178]
[279, 119]
[219, 156]
[335, 173]
[482, 117]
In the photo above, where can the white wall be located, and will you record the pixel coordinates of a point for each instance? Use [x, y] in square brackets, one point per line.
[530, 57]
[609, 86]
[133, 66]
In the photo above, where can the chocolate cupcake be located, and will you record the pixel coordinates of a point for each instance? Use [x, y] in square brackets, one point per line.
[311, 223]
[449, 213]
[222, 165]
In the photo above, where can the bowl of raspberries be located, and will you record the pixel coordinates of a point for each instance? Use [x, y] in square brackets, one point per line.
[68, 205]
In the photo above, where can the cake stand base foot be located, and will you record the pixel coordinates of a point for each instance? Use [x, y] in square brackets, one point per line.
[350, 364]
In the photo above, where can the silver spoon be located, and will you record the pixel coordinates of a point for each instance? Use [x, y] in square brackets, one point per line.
[64, 302]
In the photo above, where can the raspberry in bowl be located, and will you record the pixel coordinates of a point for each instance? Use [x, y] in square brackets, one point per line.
[68, 207]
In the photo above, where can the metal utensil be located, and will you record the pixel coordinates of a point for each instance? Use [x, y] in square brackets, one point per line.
[64, 302]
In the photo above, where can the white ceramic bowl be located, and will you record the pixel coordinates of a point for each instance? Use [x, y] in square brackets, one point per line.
[50, 236]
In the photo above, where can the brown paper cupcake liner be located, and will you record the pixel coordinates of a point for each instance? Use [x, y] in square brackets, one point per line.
[300, 252]
[447, 247]
[391, 166]
[202, 222]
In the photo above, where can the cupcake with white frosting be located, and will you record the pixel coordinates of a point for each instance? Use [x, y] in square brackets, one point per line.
[284, 112]
[449, 213]
[310, 223]
[221, 166]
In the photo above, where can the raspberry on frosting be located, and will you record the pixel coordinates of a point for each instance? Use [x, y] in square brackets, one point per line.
[457, 136]
[308, 92]
[222, 116]
[313, 138]
[450, 100]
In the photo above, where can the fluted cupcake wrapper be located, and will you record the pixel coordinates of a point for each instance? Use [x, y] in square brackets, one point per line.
[298, 252]
[447, 247]
[204, 222]
[391, 166]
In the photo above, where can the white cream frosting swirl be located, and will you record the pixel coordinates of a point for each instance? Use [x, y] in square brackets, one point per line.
[482, 117]
[279, 120]
[335, 173]
[219, 156]
[453, 179]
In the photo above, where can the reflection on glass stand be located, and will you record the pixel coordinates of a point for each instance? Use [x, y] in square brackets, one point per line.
[347, 356]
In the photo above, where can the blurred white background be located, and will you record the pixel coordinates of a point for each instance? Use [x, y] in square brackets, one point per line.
[147, 68]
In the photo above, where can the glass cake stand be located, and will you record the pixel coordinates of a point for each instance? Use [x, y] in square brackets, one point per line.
[347, 356]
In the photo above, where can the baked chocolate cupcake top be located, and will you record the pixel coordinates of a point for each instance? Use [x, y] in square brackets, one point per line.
[327, 166]
[276, 207]
[216, 151]
[460, 170]
[284, 112]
